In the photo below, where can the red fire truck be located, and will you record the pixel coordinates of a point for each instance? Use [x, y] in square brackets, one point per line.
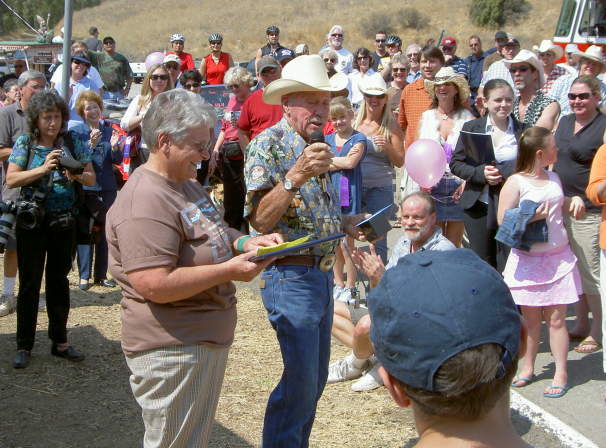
[582, 22]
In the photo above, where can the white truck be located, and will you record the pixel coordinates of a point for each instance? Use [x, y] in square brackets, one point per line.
[139, 71]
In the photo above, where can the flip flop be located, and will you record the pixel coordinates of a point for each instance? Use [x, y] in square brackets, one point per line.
[588, 346]
[562, 389]
[527, 381]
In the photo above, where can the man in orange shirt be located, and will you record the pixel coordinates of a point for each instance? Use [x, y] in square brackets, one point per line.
[415, 100]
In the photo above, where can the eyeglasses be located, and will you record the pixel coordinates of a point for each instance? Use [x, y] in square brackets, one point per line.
[191, 85]
[233, 86]
[330, 60]
[522, 69]
[581, 96]
[398, 69]
[380, 41]
[156, 77]
[336, 35]
[216, 42]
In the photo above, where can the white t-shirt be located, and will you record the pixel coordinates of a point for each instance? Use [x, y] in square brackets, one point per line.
[93, 75]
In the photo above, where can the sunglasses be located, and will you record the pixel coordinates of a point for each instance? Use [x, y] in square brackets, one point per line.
[519, 69]
[361, 57]
[269, 71]
[398, 69]
[330, 60]
[581, 96]
[336, 35]
[234, 86]
[156, 77]
[75, 61]
[546, 54]
[109, 42]
[216, 42]
[192, 85]
[380, 41]
[375, 96]
[411, 55]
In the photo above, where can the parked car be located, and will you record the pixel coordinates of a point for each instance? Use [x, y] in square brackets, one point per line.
[139, 71]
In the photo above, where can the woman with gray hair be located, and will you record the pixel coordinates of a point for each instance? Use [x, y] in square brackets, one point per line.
[330, 58]
[174, 258]
[228, 154]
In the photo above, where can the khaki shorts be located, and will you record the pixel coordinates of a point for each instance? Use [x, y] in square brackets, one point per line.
[584, 237]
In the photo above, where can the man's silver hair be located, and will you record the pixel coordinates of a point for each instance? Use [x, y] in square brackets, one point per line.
[28, 75]
[413, 46]
[400, 59]
[238, 75]
[335, 28]
[329, 52]
[175, 113]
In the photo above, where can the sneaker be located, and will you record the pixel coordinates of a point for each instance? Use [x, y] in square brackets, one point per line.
[344, 370]
[8, 304]
[336, 292]
[370, 381]
[42, 303]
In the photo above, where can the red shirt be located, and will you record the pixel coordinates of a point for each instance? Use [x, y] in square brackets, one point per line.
[216, 72]
[187, 62]
[256, 116]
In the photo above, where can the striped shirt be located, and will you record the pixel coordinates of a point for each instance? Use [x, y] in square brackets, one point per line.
[549, 79]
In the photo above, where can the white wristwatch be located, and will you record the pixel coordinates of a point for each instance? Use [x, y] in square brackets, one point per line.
[289, 186]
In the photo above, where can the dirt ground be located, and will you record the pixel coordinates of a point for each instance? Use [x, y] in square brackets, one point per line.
[54, 403]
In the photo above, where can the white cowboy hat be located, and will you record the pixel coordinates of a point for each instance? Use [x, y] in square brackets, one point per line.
[547, 45]
[593, 53]
[305, 73]
[528, 57]
[447, 75]
[373, 85]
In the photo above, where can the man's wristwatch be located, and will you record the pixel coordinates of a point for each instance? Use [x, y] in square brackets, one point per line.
[289, 186]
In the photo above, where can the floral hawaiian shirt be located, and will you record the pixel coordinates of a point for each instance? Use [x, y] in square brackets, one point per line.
[315, 208]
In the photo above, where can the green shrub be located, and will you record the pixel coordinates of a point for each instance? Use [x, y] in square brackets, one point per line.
[497, 13]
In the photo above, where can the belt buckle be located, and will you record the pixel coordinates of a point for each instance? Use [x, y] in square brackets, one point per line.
[327, 262]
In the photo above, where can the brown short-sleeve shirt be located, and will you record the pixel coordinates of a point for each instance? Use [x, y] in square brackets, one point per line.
[155, 222]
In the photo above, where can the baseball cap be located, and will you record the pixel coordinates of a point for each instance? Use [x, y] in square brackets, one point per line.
[267, 62]
[432, 306]
[285, 54]
[500, 35]
[512, 41]
[81, 59]
[171, 58]
[449, 42]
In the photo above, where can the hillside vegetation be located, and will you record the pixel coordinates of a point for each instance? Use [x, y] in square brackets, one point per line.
[141, 26]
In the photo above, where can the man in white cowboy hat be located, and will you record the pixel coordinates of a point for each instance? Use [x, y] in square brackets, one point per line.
[548, 53]
[590, 63]
[531, 106]
[570, 65]
[288, 192]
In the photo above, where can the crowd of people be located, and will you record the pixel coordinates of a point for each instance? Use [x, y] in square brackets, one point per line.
[310, 144]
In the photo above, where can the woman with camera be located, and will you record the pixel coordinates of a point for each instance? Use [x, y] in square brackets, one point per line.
[45, 227]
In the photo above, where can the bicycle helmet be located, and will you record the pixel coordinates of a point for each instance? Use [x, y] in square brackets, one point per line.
[215, 37]
[273, 29]
[176, 37]
[392, 39]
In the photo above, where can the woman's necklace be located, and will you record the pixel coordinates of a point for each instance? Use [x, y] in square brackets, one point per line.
[442, 115]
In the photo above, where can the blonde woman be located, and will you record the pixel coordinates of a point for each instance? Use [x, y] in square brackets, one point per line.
[443, 123]
[384, 148]
[157, 80]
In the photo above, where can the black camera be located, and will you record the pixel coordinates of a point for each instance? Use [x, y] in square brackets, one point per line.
[30, 215]
[8, 211]
[67, 162]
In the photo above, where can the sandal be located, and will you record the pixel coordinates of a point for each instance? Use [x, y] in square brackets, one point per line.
[588, 346]
[561, 393]
[526, 381]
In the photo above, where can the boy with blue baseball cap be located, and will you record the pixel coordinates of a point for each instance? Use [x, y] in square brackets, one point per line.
[447, 332]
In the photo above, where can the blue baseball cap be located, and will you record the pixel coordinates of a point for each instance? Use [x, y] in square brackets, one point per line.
[435, 304]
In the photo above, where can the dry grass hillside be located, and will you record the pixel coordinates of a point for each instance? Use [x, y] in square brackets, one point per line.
[141, 26]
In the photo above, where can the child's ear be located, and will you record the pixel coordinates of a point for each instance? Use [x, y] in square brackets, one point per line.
[395, 388]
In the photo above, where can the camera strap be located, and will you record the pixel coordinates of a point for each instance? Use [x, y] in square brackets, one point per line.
[30, 158]
[69, 145]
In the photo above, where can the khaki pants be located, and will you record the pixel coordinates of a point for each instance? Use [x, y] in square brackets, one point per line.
[584, 237]
[178, 390]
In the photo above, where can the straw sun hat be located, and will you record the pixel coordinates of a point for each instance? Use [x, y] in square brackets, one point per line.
[447, 75]
[305, 73]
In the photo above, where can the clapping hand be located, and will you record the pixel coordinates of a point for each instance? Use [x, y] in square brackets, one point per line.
[369, 263]
[95, 135]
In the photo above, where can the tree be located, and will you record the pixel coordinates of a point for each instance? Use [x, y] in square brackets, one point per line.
[496, 13]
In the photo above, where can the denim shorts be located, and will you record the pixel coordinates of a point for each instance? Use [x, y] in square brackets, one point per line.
[446, 207]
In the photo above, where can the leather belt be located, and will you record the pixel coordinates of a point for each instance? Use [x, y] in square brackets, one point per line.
[298, 260]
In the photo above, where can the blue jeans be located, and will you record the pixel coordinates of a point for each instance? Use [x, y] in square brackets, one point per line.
[373, 200]
[107, 95]
[299, 307]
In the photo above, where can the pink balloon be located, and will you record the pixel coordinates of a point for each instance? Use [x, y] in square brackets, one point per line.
[157, 57]
[425, 162]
